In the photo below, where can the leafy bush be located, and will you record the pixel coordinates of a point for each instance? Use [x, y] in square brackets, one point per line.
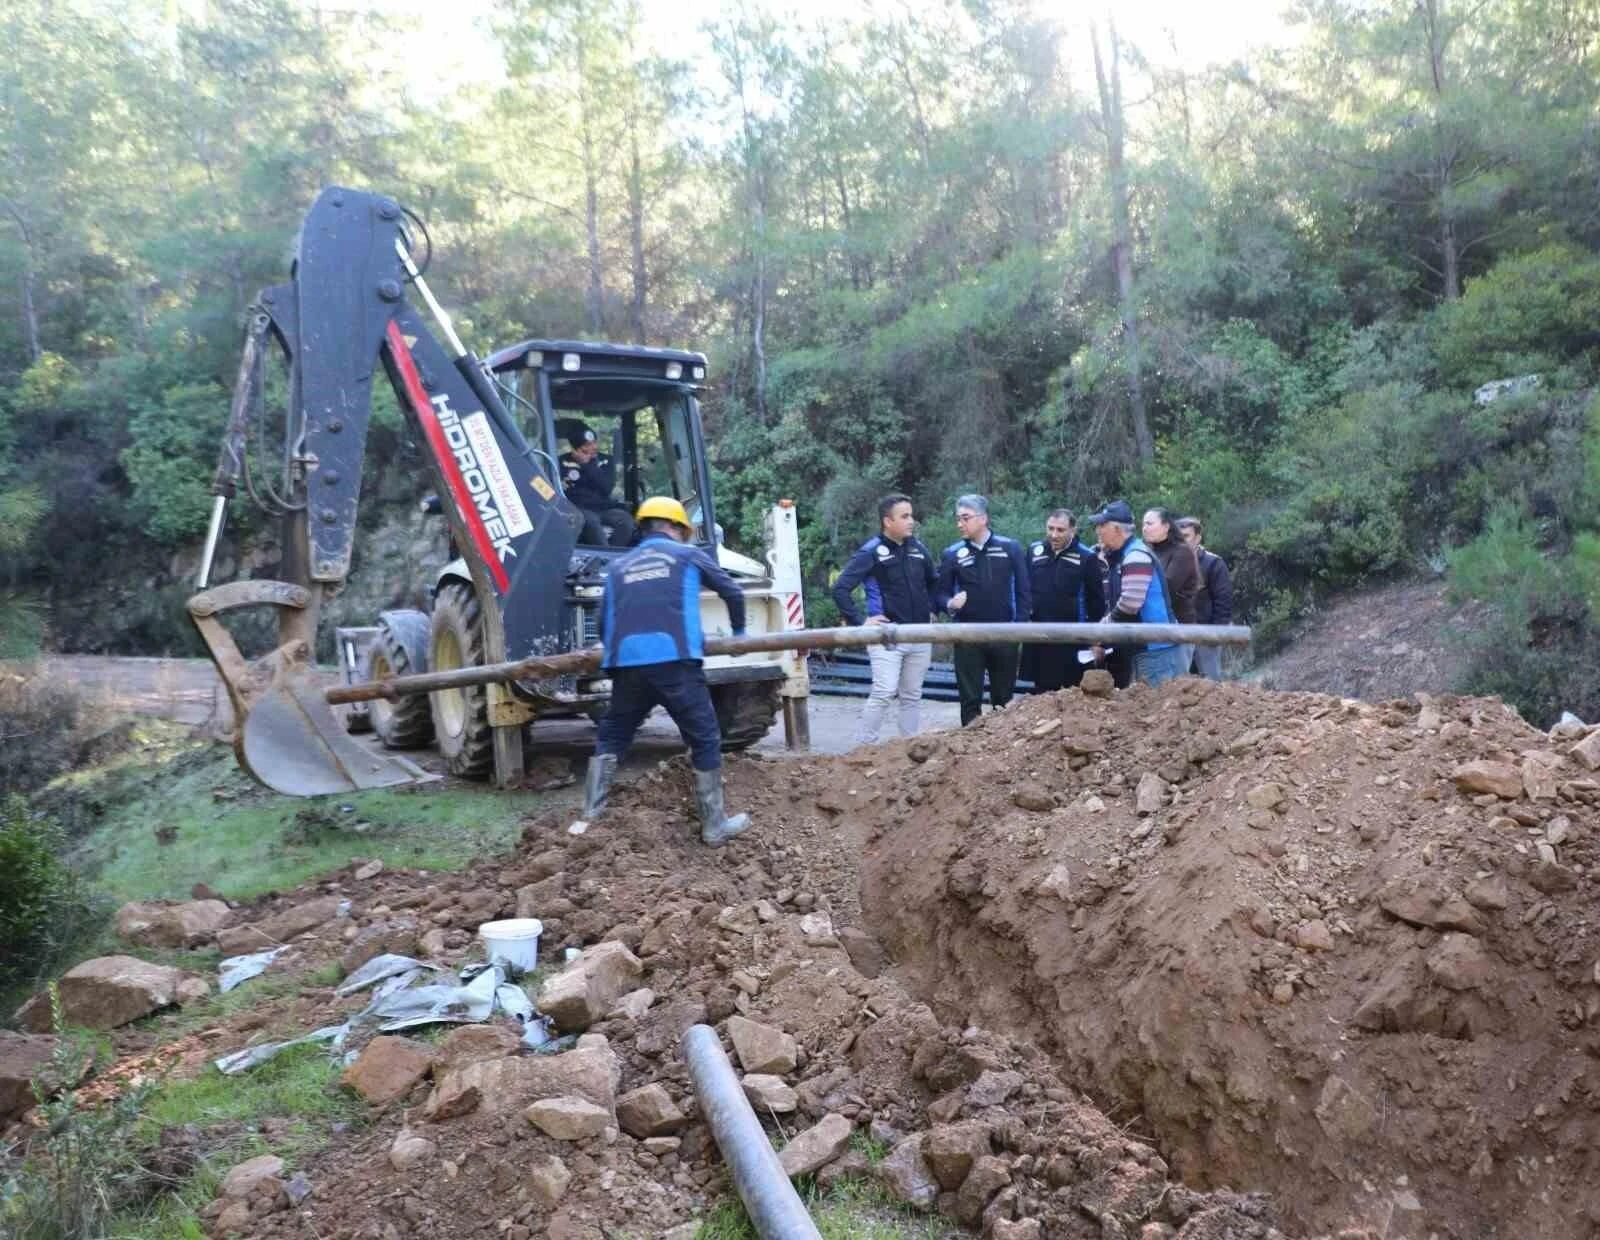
[1525, 314]
[1540, 650]
[43, 906]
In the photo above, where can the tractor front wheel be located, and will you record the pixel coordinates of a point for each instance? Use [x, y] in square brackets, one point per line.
[460, 716]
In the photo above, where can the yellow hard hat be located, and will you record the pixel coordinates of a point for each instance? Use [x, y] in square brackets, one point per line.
[663, 508]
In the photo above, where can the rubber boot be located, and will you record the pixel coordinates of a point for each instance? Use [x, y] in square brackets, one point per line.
[597, 783]
[716, 828]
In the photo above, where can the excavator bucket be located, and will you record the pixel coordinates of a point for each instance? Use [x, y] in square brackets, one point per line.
[285, 733]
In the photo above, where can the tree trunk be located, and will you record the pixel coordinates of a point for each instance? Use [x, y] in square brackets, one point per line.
[591, 204]
[636, 235]
[1122, 238]
[30, 314]
[27, 280]
[758, 312]
[1444, 156]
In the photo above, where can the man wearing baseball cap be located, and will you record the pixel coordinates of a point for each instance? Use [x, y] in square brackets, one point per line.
[1137, 591]
[650, 627]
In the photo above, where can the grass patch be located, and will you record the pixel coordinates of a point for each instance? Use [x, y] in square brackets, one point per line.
[178, 816]
[299, 1086]
[852, 1209]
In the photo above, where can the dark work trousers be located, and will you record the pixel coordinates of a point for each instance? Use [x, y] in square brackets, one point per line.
[996, 659]
[1052, 667]
[611, 528]
[1120, 664]
[681, 688]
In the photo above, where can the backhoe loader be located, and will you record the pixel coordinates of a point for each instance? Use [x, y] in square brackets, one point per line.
[522, 582]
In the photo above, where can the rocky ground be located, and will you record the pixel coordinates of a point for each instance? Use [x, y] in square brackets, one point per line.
[1335, 953]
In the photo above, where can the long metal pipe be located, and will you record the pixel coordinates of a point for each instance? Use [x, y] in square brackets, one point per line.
[775, 1209]
[588, 660]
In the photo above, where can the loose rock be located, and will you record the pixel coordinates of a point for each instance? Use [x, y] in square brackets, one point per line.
[1500, 778]
[761, 1048]
[906, 1174]
[769, 1093]
[388, 1068]
[410, 1151]
[568, 1119]
[586, 989]
[242, 1180]
[816, 1146]
[649, 1112]
[548, 1178]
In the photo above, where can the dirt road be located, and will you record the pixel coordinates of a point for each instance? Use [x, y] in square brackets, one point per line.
[188, 691]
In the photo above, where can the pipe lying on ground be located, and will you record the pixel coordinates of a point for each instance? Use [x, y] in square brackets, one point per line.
[580, 661]
[775, 1209]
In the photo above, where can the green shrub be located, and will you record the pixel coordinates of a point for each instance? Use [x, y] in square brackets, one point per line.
[43, 906]
[1526, 313]
[1539, 649]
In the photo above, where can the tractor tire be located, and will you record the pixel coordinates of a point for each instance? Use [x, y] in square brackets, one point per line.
[745, 711]
[400, 649]
[460, 716]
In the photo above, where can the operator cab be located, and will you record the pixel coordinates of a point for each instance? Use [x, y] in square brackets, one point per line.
[641, 406]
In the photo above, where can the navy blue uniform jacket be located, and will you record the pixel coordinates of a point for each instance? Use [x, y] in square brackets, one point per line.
[898, 578]
[589, 485]
[651, 609]
[1066, 586]
[995, 577]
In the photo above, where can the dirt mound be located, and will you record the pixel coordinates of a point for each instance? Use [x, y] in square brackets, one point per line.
[1340, 952]
[768, 929]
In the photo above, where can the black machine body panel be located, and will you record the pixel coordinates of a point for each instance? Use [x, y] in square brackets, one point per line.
[344, 315]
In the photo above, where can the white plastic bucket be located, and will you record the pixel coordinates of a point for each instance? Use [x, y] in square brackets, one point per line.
[513, 942]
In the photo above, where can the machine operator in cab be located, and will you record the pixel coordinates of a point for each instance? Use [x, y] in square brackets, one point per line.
[589, 478]
[650, 626]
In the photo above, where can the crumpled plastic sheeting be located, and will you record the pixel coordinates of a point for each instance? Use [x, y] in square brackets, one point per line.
[236, 969]
[400, 1003]
[255, 1056]
[379, 968]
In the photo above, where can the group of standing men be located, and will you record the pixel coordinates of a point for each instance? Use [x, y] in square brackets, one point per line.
[1165, 576]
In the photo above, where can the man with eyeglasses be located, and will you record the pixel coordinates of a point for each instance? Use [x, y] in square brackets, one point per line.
[983, 579]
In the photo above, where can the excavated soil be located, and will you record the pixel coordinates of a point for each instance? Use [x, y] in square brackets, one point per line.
[1272, 929]
[769, 927]
[1204, 961]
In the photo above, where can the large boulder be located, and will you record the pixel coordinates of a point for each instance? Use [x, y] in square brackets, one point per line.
[279, 927]
[172, 925]
[587, 989]
[500, 1086]
[109, 991]
[474, 1043]
[24, 1059]
[388, 1068]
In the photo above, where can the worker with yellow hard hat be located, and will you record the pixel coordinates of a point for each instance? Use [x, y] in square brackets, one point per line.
[650, 625]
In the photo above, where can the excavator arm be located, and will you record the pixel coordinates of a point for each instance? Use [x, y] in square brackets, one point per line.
[342, 317]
